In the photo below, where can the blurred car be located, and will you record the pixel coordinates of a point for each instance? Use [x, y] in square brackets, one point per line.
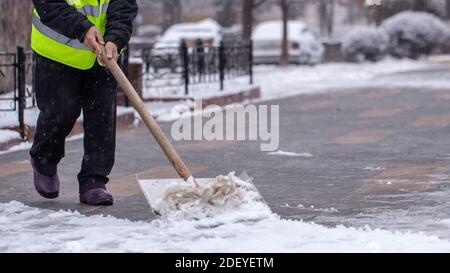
[304, 46]
[208, 31]
[149, 31]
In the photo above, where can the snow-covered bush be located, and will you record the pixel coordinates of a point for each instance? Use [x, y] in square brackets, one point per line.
[365, 44]
[413, 34]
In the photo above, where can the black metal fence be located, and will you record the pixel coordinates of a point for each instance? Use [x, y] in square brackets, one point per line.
[164, 68]
[16, 92]
[168, 68]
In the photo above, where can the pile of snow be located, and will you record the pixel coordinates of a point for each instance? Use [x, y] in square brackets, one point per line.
[365, 44]
[195, 200]
[256, 229]
[413, 34]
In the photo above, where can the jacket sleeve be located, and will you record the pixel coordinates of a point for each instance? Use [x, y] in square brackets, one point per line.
[63, 18]
[119, 23]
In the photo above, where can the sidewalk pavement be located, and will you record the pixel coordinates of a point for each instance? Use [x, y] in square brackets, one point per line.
[380, 157]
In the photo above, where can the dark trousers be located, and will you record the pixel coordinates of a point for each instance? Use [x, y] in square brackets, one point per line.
[62, 93]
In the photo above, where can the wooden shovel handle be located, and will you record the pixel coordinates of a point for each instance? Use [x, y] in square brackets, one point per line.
[148, 119]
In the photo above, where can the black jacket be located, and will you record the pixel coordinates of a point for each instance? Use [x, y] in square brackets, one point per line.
[65, 19]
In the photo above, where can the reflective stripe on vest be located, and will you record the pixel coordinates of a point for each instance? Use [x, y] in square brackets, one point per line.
[58, 37]
[93, 11]
[55, 46]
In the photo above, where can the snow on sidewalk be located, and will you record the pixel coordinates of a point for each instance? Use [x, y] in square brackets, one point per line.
[280, 82]
[284, 153]
[8, 135]
[251, 229]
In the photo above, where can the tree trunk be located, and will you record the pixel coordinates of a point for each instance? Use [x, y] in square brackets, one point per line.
[15, 29]
[15, 24]
[284, 5]
[330, 20]
[247, 19]
[323, 17]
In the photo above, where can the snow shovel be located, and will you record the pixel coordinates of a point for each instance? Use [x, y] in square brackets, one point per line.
[155, 189]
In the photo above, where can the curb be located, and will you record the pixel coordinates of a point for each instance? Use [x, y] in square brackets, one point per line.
[123, 121]
[126, 120]
[253, 92]
[7, 145]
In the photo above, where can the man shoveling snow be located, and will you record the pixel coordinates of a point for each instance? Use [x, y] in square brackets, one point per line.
[68, 37]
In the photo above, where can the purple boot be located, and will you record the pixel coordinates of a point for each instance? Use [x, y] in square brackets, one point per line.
[46, 186]
[97, 197]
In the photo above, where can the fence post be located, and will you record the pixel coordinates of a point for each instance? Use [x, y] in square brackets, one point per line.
[21, 59]
[222, 64]
[250, 60]
[184, 54]
[199, 58]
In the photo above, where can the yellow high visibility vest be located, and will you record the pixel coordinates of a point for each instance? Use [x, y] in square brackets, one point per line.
[57, 47]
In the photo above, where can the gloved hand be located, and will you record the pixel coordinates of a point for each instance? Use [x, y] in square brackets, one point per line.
[93, 39]
[109, 52]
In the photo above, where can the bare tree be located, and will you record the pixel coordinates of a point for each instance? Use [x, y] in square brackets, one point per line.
[284, 5]
[287, 11]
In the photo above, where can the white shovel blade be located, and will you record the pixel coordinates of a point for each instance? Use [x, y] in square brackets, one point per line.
[155, 189]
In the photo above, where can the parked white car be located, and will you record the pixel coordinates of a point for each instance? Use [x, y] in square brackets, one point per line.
[304, 46]
[208, 30]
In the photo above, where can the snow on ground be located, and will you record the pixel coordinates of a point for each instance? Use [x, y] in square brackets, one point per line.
[10, 119]
[9, 116]
[252, 229]
[8, 135]
[283, 153]
[280, 82]
[311, 208]
[378, 168]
